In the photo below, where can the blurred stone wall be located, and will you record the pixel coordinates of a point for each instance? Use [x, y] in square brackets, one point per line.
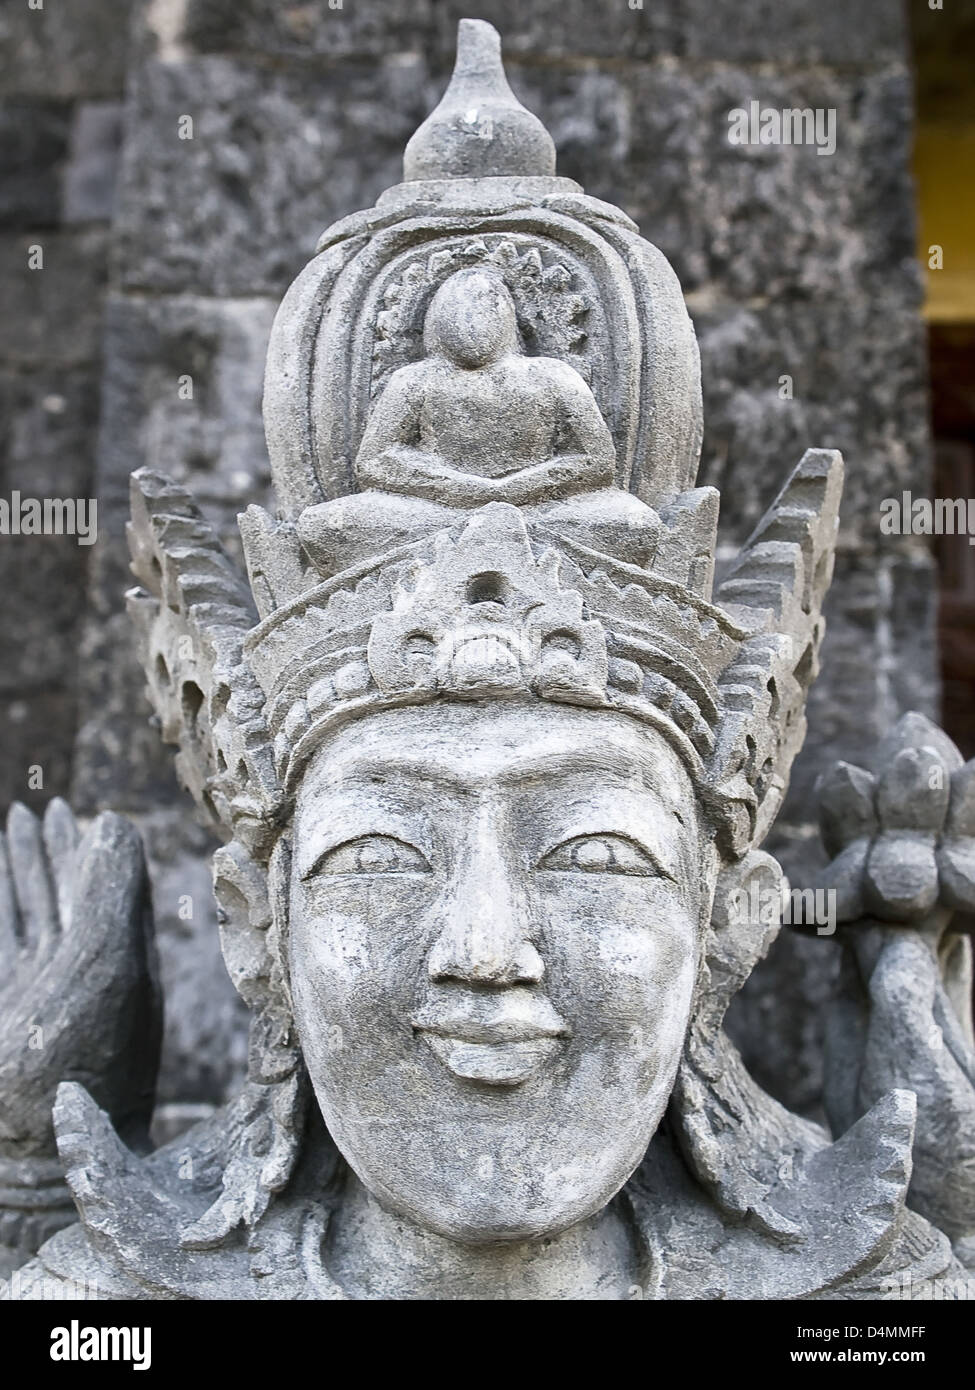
[61, 86]
[794, 265]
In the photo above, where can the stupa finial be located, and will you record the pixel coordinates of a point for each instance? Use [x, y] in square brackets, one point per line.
[480, 128]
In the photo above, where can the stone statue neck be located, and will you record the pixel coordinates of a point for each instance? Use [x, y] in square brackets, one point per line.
[373, 1254]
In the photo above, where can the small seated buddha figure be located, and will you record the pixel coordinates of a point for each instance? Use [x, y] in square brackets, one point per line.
[477, 420]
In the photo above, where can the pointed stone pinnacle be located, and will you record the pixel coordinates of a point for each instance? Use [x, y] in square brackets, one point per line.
[480, 129]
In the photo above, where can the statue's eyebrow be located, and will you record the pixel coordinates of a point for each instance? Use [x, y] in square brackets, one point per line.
[518, 771]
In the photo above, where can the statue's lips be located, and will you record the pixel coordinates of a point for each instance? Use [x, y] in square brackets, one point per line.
[495, 1064]
[504, 1052]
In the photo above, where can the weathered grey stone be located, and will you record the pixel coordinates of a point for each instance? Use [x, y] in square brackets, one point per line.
[64, 51]
[509, 139]
[49, 370]
[882, 607]
[493, 790]
[905, 1006]
[181, 391]
[33, 141]
[58, 306]
[812, 355]
[557, 28]
[50, 58]
[785, 999]
[654, 140]
[37, 732]
[48, 422]
[236, 209]
[43, 650]
[90, 176]
[319, 28]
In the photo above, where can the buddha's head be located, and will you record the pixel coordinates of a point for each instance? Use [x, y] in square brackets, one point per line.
[495, 913]
[471, 320]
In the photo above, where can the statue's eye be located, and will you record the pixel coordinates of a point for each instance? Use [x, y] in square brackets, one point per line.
[374, 854]
[601, 854]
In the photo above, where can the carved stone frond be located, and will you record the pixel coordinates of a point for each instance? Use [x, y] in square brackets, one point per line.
[775, 591]
[191, 614]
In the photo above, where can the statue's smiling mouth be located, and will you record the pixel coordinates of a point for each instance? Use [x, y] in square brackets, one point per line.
[494, 1064]
[503, 1052]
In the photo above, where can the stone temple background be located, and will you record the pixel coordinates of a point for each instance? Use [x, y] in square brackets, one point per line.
[166, 257]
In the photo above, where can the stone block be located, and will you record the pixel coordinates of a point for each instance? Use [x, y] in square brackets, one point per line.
[33, 147]
[90, 176]
[48, 422]
[182, 393]
[744, 221]
[36, 730]
[53, 314]
[700, 29]
[275, 157]
[855, 370]
[64, 51]
[211, 441]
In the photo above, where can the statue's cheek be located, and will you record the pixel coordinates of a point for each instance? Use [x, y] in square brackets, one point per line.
[358, 946]
[621, 945]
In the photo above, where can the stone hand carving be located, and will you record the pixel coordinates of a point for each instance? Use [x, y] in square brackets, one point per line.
[903, 840]
[494, 768]
[78, 1000]
[904, 876]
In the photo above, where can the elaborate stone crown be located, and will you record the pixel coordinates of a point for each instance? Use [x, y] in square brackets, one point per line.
[486, 490]
[484, 614]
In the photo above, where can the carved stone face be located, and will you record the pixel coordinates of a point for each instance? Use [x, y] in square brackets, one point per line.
[493, 946]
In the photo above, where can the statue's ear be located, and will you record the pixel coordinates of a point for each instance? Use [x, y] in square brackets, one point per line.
[745, 920]
[266, 1120]
[240, 887]
[718, 1109]
[252, 910]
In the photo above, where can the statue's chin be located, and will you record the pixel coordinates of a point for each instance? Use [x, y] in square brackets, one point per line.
[535, 1199]
[493, 1218]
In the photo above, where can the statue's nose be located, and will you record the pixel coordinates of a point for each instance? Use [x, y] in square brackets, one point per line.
[485, 938]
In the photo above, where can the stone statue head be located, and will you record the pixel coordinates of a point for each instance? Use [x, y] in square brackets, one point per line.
[471, 320]
[482, 794]
[488, 789]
